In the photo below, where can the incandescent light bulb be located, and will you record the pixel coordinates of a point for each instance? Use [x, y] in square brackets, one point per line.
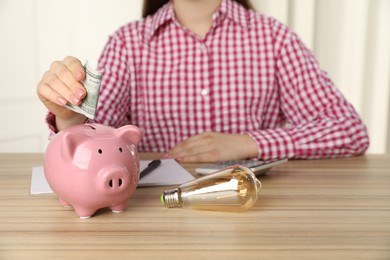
[232, 189]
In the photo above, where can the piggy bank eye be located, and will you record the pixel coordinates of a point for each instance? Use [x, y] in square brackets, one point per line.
[120, 149]
[100, 151]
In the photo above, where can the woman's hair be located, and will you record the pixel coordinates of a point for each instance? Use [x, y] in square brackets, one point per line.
[151, 6]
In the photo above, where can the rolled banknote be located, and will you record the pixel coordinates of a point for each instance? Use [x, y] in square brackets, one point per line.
[91, 83]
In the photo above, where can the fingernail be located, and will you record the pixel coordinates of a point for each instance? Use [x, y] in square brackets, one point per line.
[61, 101]
[75, 101]
[79, 75]
[80, 93]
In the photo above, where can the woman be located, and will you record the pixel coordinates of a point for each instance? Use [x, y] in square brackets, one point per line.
[212, 80]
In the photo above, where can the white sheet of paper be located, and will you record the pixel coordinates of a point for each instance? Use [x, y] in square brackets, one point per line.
[169, 172]
[39, 184]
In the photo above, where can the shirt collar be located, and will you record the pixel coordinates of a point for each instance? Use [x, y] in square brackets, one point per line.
[235, 12]
[163, 15]
[228, 8]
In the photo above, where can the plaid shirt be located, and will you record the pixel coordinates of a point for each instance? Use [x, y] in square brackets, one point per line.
[250, 74]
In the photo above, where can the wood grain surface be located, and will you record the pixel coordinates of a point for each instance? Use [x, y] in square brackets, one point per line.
[308, 209]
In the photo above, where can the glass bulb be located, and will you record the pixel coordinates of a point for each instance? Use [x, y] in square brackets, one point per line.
[232, 189]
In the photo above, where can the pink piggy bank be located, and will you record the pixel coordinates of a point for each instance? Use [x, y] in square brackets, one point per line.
[93, 166]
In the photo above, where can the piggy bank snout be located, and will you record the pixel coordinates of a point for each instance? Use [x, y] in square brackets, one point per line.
[114, 180]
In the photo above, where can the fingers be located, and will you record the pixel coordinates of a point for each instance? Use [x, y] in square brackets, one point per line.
[48, 94]
[61, 83]
[70, 72]
[61, 80]
[198, 148]
[213, 147]
[75, 66]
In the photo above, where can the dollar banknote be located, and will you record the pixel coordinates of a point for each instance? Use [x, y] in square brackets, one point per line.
[91, 83]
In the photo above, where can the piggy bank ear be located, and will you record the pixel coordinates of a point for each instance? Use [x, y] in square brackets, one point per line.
[70, 142]
[129, 133]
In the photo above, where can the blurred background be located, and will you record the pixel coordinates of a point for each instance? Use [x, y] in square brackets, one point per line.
[350, 38]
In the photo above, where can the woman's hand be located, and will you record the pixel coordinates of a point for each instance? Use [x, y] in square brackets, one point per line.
[213, 147]
[61, 84]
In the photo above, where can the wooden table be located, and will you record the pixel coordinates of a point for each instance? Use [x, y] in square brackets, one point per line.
[319, 209]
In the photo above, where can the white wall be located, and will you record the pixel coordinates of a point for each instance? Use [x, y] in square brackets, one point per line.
[33, 34]
[349, 37]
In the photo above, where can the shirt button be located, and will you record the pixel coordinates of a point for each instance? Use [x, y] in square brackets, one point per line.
[204, 92]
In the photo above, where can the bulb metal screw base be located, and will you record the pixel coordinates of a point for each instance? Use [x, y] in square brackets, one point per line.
[170, 199]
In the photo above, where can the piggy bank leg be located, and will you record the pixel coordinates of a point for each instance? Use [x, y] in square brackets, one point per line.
[83, 213]
[119, 207]
[64, 203]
